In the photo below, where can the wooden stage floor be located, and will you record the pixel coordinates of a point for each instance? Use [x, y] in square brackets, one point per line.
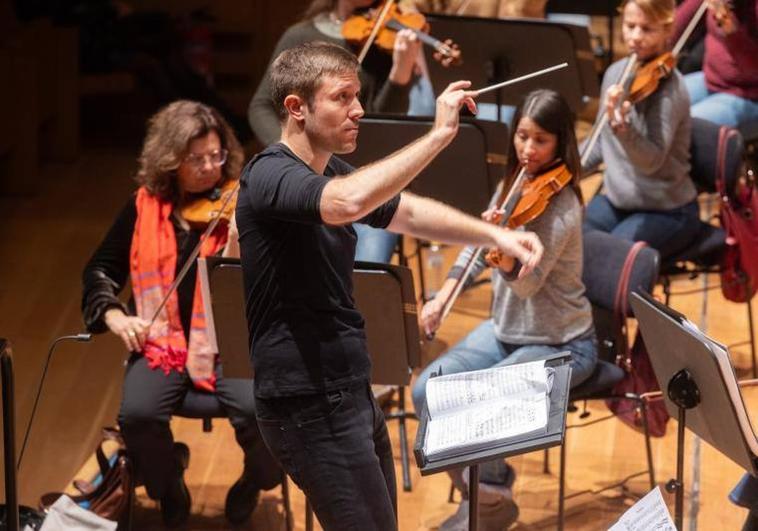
[45, 240]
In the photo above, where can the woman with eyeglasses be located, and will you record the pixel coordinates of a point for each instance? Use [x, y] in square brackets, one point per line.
[189, 151]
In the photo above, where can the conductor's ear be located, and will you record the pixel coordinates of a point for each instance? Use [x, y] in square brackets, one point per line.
[295, 106]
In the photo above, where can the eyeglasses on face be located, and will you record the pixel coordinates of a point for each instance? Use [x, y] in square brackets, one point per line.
[216, 157]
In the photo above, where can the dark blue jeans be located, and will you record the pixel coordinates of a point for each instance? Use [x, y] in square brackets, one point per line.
[336, 448]
[667, 231]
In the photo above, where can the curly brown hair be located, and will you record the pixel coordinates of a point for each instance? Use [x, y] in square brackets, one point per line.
[169, 134]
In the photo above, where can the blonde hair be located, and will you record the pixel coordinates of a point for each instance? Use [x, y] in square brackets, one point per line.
[167, 141]
[661, 11]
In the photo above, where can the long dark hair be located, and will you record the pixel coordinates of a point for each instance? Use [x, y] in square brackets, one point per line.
[549, 110]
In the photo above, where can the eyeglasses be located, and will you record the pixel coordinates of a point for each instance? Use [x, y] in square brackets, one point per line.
[197, 160]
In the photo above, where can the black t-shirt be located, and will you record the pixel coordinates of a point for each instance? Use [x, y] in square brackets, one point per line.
[306, 336]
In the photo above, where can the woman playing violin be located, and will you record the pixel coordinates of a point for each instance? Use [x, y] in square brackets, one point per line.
[647, 191]
[540, 314]
[385, 79]
[189, 151]
[726, 90]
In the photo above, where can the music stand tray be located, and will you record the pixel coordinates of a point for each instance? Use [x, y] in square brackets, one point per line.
[384, 294]
[553, 436]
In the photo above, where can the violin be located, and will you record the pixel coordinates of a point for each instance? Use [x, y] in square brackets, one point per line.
[522, 203]
[534, 198]
[206, 211]
[364, 30]
[201, 210]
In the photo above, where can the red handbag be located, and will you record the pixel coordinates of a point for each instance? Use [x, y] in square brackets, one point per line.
[639, 377]
[739, 263]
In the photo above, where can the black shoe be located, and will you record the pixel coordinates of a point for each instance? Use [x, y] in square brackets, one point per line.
[241, 500]
[176, 502]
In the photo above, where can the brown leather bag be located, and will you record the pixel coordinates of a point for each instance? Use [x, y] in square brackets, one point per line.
[635, 361]
[111, 497]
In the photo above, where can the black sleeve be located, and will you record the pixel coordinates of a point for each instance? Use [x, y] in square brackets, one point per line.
[107, 271]
[284, 189]
[382, 215]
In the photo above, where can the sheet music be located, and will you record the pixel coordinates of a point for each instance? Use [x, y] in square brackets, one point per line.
[472, 409]
[500, 419]
[648, 514]
[448, 393]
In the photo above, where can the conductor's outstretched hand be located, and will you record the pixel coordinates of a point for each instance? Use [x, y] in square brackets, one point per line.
[449, 105]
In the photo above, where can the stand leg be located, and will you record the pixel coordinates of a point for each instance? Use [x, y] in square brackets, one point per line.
[473, 498]
[752, 335]
[679, 503]
[286, 502]
[403, 440]
[308, 516]
[648, 448]
[9, 439]
[562, 486]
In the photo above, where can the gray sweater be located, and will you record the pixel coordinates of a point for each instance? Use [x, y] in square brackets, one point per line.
[647, 167]
[378, 94]
[548, 306]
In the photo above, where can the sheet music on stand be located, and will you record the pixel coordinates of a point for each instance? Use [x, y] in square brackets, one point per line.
[473, 410]
[537, 422]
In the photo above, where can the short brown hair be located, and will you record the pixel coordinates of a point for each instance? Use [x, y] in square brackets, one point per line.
[167, 141]
[299, 71]
[661, 11]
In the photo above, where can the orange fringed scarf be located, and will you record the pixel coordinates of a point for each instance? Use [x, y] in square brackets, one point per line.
[153, 266]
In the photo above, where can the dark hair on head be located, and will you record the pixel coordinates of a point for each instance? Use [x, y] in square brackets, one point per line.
[548, 109]
[300, 70]
[167, 141]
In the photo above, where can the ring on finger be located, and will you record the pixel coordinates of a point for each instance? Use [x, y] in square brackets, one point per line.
[131, 333]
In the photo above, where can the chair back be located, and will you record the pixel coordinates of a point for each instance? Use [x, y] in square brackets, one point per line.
[604, 257]
[704, 157]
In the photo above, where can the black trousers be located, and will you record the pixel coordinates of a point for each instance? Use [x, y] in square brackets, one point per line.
[335, 446]
[149, 399]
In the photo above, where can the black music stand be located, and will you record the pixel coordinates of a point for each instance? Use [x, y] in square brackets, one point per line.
[700, 388]
[553, 436]
[384, 294]
[12, 515]
[464, 175]
[495, 50]
[608, 9]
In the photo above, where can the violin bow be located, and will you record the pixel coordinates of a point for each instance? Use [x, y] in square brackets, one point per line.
[631, 65]
[375, 30]
[690, 28]
[508, 205]
[193, 255]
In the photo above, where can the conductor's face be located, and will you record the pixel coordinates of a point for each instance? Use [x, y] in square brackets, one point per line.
[331, 121]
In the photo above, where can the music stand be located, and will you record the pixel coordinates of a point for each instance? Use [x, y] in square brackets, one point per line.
[384, 294]
[606, 9]
[700, 388]
[495, 50]
[553, 436]
[464, 175]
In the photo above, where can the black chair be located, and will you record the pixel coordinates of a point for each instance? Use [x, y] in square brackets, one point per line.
[206, 406]
[604, 257]
[704, 254]
[749, 132]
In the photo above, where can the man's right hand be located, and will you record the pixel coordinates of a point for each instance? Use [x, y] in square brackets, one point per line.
[524, 246]
[131, 329]
[449, 105]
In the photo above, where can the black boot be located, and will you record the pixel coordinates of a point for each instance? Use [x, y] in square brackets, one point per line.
[176, 502]
[241, 499]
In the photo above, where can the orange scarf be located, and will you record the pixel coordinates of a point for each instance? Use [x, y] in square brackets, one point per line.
[153, 266]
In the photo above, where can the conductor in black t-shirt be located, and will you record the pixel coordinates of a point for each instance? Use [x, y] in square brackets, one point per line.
[296, 205]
